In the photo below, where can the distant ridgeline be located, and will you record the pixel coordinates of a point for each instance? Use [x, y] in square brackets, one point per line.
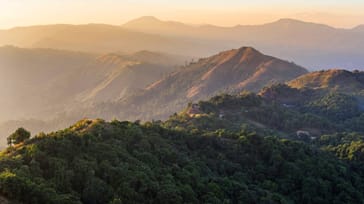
[300, 142]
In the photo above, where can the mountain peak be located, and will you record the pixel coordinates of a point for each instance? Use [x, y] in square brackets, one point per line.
[249, 50]
[288, 20]
[241, 51]
[147, 18]
[240, 55]
[144, 21]
[236, 69]
[292, 23]
[152, 24]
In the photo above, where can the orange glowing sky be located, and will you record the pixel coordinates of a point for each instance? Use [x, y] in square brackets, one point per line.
[225, 13]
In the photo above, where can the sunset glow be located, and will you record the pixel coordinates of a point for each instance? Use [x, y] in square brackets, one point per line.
[31, 12]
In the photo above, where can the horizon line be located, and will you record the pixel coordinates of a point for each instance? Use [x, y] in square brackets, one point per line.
[187, 24]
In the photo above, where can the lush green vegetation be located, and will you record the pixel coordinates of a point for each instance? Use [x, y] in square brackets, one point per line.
[123, 162]
[346, 146]
[336, 106]
[230, 149]
[20, 135]
[315, 112]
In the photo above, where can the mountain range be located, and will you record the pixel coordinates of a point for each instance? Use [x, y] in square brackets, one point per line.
[319, 46]
[142, 85]
[98, 38]
[229, 71]
[62, 86]
[175, 113]
[47, 77]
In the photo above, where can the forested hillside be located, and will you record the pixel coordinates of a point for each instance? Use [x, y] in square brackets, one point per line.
[249, 147]
[284, 108]
[123, 162]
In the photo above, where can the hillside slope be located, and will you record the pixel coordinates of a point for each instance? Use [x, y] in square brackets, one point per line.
[43, 89]
[243, 68]
[229, 71]
[121, 162]
[49, 79]
[113, 76]
[334, 79]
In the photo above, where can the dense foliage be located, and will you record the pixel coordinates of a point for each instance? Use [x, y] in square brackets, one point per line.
[336, 106]
[124, 162]
[18, 136]
[317, 113]
[230, 149]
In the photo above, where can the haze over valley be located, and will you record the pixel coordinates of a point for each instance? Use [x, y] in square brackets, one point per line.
[133, 102]
[148, 69]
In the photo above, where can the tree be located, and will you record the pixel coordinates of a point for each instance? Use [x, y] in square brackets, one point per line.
[20, 135]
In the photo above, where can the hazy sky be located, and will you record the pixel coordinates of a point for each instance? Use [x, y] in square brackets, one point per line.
[338, 13]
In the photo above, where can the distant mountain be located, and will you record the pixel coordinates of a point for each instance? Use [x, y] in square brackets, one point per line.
[230, 71]
[111, 77]
[285, 31]
[46, 85]
[151, 24]
[244, 68]
[99, 38]
[319, 46]
[315, 46]
[277, 30]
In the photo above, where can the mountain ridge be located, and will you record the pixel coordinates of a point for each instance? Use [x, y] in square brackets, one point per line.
[245, 59]
[334, 79]
[320, 46]
[229, 71]
[46, 87]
